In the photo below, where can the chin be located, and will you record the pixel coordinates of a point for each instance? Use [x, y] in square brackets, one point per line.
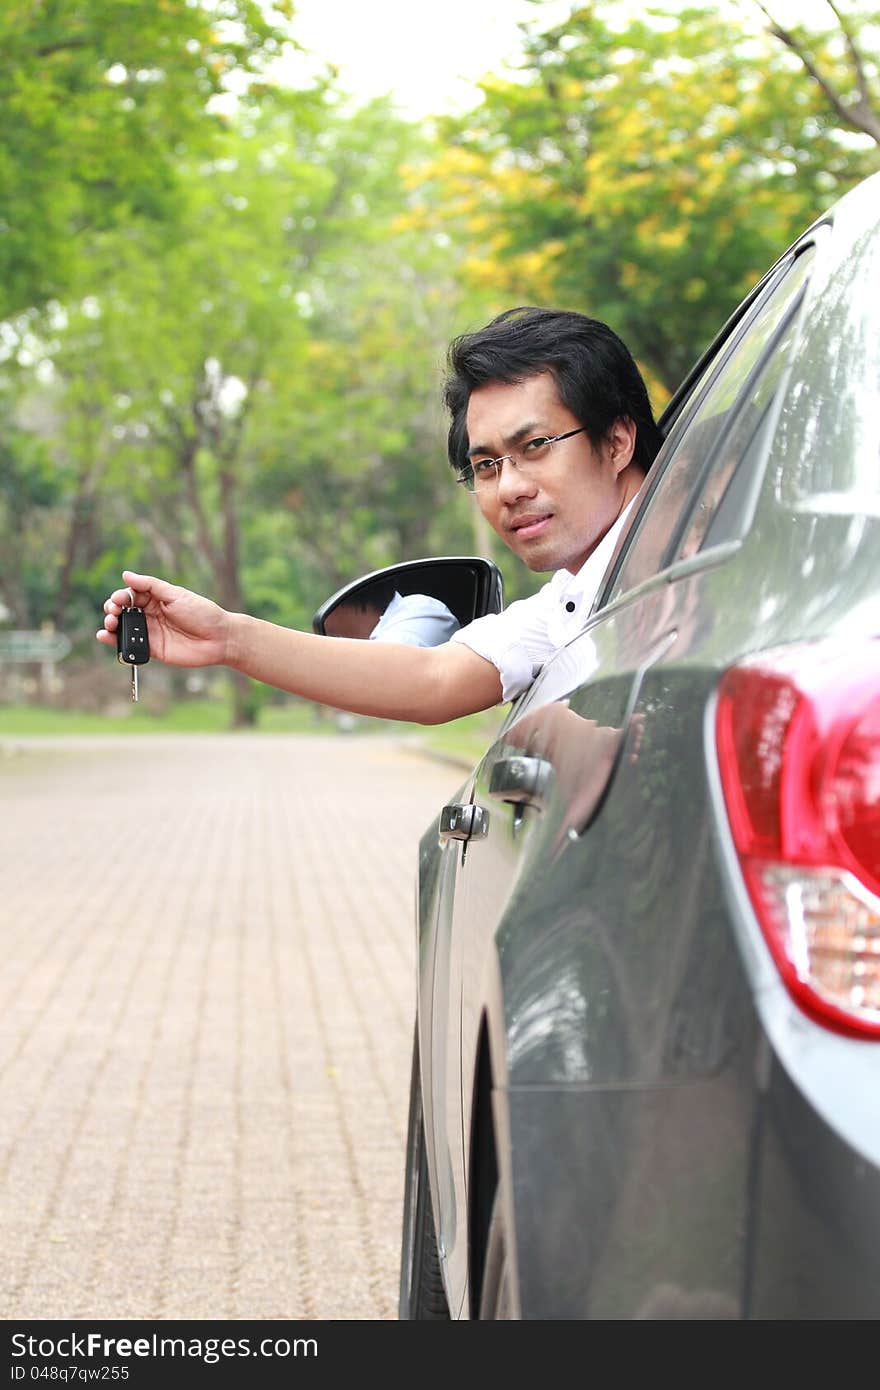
[540, 562]
[532, 556]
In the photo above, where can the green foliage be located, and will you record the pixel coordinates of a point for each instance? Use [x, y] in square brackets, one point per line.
[644, 171]
[30, 489]
[99, 102]
[250, 403]
[222, 331]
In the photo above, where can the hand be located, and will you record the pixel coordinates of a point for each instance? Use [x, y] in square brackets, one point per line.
[184, 628]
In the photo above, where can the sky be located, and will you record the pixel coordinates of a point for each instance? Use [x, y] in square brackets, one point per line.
[428, 53]
[431, 53]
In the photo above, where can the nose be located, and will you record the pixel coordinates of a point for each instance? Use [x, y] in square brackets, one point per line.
[514, 483]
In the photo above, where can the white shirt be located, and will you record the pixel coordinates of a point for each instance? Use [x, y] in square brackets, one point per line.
[522, 639]
[417, 619]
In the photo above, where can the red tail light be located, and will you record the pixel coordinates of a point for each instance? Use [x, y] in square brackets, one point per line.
[798, 737]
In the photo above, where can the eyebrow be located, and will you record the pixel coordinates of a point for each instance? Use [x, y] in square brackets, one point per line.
[524, 431]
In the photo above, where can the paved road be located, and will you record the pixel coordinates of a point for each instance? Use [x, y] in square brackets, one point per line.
[206, 1007]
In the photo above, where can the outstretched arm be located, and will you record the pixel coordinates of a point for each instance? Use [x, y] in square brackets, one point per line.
[427, 685]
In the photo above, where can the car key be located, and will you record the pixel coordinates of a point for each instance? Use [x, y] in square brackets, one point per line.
[133, 643]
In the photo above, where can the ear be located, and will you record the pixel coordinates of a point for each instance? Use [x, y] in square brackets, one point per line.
[620, 443]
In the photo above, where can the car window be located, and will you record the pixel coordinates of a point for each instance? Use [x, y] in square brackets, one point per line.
[722, 506]
[696, 441]
[835, 397]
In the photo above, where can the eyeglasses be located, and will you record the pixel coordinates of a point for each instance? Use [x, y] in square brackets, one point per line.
[481, 474]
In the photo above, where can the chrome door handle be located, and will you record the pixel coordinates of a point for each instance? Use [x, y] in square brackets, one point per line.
[521, 780]
[463, 822]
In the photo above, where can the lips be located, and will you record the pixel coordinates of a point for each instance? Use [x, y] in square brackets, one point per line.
[529, 525]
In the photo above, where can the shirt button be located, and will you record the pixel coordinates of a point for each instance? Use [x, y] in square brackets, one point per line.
[570, 606]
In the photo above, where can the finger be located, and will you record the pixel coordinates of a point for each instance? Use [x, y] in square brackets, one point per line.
[110, 606]
[129, 597]
[105, 638]
[147, 586]
[111, 622]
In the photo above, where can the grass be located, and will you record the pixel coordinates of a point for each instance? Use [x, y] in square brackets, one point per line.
[464, 740]
[202, 716]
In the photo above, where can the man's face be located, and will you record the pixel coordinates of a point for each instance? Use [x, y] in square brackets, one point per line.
[553, 515]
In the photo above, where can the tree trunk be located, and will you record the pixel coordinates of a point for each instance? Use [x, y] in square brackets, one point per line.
[245, 701]
[482, 534]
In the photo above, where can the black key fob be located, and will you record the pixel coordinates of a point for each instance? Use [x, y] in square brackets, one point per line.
[132, 640]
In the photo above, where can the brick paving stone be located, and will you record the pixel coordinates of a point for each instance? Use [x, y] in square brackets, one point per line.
[206, 1007]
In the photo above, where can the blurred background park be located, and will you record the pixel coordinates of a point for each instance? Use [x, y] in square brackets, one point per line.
[231, 270]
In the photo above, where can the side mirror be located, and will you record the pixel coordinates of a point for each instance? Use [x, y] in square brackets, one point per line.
[421, 601]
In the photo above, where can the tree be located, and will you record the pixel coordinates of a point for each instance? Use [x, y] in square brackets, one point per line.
[247, 402]
[30, 524]
[100, 102]
[645, 171]
[842, 61]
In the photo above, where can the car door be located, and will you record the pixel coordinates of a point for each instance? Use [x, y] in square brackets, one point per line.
[537, 791]
[563, 743]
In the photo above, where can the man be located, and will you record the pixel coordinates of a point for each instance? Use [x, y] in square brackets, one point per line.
[552, 430]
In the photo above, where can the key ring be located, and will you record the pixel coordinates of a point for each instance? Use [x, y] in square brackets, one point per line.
[131, 595]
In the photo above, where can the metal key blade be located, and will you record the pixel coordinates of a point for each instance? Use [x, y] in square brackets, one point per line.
[134, 683]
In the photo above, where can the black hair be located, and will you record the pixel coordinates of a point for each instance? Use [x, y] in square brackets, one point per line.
[594, 372]
[375, 595]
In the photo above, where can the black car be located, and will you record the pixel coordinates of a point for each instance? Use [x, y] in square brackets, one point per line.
[646, 1077]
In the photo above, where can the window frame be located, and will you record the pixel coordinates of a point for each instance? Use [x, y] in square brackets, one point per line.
[684, 406]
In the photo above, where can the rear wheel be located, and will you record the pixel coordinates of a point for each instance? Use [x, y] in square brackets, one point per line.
[422, 1295]
[496, 1302]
